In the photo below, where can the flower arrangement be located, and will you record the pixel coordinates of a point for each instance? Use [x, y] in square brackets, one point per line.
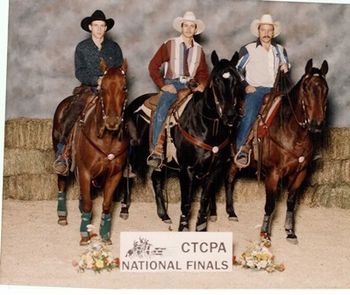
[259, 257]
[97, 256]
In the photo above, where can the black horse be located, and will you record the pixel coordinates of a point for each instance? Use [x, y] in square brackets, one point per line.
[201, 137]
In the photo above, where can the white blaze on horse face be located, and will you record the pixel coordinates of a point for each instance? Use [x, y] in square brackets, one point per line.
[226, 75]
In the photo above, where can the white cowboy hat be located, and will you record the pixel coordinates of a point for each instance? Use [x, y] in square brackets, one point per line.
[188, 17]
[266, 19]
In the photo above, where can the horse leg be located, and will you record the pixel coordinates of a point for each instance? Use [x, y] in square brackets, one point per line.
[213, 215]
[61, 201]
[271, 183]
[86, 208]
[126, 201]
[186, 186]
[291, 201]
[106, 217]
[229, 186]
[208, 190]
[158, 185]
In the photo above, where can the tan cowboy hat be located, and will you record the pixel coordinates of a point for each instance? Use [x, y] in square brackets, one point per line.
[97, 15]
[188, 17]
[266, 19]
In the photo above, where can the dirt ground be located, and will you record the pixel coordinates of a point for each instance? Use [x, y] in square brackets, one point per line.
[36, 251]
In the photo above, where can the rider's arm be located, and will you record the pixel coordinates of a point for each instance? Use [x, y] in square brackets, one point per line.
[161, 56]
[82, 73]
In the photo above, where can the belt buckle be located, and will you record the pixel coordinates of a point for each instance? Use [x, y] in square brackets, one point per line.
[183, 79]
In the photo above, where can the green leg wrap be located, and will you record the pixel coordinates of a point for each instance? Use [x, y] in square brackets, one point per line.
[105, 226]
[61, 204]
[85, 221]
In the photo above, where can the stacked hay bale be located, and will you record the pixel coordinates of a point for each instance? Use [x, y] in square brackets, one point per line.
[28, 160]
[329, 184]
[28, 173]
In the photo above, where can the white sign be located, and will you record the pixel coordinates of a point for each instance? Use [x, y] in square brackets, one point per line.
[175, 251]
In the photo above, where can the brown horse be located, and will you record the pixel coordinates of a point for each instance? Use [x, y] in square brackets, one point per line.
[100, 148]
[287, 148]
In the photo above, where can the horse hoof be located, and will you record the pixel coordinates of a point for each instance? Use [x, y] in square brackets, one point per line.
[123, 215]
[62, 221]
[183, 229]
[166, 219]
[292, 238]
[232, 218]
[107, 242]
[266, 236]
[213, 218]
[84, 241]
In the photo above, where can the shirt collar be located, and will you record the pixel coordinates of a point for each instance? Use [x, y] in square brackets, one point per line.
[183, 41]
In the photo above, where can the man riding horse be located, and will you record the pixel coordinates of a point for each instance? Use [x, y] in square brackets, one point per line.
[258, 65]
[184, 60]
[88, 55]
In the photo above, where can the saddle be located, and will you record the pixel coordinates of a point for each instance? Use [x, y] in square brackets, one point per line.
[267, 113]
[147, 109]
[88, 102]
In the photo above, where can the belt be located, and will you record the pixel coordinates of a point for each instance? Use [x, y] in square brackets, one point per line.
[184, 79]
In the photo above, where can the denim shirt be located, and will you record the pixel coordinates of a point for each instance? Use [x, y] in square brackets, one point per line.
[87, 59]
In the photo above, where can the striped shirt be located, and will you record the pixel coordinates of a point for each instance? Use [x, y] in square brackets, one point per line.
[257, 66]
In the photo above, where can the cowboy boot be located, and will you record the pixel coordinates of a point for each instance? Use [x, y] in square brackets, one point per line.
[61, 165]
[156, 157]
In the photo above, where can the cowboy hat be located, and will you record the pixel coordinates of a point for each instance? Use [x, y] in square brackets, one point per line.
[266, 19]
[97, 15]
[188, 17]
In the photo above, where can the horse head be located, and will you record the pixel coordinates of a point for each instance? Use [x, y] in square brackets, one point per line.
[224, 81]
[113, 97]
[313, 93]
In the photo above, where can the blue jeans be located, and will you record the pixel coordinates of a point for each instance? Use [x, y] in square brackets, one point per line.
[165, 102]
[252, 104]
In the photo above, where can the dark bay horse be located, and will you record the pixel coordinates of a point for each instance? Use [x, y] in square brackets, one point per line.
[201, 137]
[100, 147]
[287, 148]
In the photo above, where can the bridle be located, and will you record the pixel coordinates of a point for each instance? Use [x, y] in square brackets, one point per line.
[284, 82]
[100, 98]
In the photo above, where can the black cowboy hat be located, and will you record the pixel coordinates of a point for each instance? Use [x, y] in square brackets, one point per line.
[97, 15]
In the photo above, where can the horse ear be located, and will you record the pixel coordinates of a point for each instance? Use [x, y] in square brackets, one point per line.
[103, 65]
[308, 66]
[324, 68]
[125, 65]
[214, 58]
[234, 59]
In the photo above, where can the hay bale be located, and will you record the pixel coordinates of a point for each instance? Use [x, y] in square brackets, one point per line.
[335, 171]
[35, 187]
[336, 144]
[27, 161]
[328, 195]
[26, 133]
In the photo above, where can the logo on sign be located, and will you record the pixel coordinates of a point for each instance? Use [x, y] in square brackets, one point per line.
[169, 251]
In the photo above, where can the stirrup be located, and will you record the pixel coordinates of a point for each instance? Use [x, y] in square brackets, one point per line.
[239, 163]
[61, 166]
[155, 160]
